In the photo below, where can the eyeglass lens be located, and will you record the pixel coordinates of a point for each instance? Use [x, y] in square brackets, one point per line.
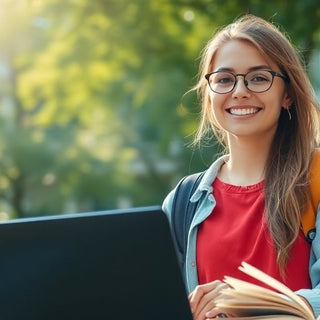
[257, 81]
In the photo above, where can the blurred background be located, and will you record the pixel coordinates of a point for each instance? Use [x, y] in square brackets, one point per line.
[93, 110]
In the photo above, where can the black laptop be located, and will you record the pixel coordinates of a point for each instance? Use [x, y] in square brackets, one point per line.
[117, 264]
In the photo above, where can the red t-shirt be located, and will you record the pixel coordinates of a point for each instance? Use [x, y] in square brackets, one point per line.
[236, 231]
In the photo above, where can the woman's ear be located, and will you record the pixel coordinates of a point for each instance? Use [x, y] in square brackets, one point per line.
[286, 101]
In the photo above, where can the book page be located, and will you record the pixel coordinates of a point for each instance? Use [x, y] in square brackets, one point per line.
[265, 278]
[251, 301]
[251, 294]
[273, 317]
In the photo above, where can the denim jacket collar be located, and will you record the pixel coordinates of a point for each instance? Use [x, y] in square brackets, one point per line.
[210, 174]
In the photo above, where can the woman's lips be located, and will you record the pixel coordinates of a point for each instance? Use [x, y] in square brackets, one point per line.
[243, 111]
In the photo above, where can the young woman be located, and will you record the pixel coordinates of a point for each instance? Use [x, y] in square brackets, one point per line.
[256, 98]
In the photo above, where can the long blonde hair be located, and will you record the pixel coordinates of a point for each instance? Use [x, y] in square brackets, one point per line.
[287, 168]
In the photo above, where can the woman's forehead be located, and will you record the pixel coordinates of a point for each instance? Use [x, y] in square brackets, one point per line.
[240, 56]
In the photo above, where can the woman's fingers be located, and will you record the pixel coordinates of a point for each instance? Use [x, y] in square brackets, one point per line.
[202, 300]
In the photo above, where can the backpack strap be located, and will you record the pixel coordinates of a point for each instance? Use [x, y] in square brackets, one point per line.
[183, 210]
[308, 218]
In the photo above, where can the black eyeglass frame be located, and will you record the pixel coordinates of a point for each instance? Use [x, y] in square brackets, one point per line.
[273, 73]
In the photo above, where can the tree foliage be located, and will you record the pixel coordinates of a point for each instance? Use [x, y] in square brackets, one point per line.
[93, 110]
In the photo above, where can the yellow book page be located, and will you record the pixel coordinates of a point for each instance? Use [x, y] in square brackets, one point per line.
[280, 317]
[248, 300]
[265, 278]
[251, 290]
[249, 293]
[248, 308]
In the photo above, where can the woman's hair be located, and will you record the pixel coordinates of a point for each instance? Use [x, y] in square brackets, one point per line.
[287, 168]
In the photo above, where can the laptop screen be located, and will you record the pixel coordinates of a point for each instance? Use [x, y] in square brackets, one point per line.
[117, 264]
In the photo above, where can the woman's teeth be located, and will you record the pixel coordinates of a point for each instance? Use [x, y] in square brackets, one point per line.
[243, 112]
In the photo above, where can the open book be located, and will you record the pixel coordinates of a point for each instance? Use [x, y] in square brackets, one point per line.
[250, 301]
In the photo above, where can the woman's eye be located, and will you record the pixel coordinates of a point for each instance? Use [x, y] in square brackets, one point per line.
[259, 78]
[224, 80]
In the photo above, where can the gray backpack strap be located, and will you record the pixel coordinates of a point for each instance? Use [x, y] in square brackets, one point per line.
[183, 211]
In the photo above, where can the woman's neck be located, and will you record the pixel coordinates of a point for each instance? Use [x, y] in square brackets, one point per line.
[247, 162]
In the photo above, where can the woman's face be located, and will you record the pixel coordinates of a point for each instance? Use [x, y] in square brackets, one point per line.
[241, 112]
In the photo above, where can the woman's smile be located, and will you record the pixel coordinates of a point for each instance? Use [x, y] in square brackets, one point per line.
[243, 111]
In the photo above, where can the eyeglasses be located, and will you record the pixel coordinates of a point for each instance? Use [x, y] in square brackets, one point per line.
[255, 81]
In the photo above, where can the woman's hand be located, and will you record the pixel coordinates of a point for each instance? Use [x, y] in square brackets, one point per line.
[202, 300]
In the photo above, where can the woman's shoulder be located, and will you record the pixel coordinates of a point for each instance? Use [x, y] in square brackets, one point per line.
[205, 184]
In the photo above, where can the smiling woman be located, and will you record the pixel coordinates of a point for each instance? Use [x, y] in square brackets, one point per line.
[257, 99]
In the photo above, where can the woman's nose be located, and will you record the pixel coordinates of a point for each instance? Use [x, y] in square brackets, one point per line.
[240, 89]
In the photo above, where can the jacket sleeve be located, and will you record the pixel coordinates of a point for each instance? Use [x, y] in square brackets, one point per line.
[313, 295]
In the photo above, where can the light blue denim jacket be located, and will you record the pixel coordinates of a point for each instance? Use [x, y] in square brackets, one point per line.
[205, 208]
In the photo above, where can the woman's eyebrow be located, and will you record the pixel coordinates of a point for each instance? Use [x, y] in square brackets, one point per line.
[260, 67]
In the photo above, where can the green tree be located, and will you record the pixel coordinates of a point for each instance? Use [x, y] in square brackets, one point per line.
[93, 110]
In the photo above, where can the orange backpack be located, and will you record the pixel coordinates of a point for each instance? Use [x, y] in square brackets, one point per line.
[308, 218]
